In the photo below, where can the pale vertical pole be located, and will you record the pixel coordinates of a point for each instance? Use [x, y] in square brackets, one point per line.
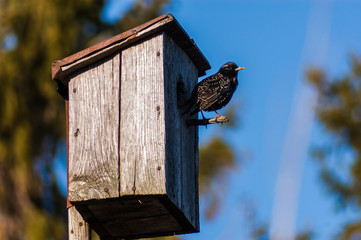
[78, 229]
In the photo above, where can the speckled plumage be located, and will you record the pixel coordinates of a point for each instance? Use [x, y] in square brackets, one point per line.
[214, 92]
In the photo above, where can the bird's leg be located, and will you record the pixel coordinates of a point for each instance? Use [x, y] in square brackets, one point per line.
[218, 115]
[203, 115]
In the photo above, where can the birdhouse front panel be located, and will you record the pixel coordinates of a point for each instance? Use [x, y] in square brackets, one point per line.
[142, 134]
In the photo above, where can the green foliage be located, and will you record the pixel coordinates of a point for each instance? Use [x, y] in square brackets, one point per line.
[216, 158]
[261, 233]
[339, 111]
[33, 33]
[165, 238]
[232, 112]
[307, 235]
[351, 231]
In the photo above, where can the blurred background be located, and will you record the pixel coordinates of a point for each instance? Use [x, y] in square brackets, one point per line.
[287, 166]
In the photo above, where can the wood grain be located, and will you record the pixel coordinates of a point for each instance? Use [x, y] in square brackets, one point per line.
[142, 147]
[94, 131]
[181, 140]
[78, 229]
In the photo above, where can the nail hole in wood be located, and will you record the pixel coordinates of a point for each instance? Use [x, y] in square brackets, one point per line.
[77, 132]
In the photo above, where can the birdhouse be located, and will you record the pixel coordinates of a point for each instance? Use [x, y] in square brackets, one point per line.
[132, 159]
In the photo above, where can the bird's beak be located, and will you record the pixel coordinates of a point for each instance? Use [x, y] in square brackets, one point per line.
[240, 68]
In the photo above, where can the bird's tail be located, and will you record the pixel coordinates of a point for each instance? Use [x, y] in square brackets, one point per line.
[191, 108]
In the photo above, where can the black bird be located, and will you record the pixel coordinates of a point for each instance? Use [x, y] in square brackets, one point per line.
[214, 92]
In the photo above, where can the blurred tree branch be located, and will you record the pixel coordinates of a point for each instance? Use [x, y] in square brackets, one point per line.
[339, 112]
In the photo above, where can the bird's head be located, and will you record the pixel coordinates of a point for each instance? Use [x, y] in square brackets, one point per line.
[230, 69]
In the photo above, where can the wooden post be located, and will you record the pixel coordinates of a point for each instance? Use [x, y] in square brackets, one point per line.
[133, 161]
[78, 229]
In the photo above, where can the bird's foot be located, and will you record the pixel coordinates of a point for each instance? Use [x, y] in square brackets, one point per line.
[218, 116]
[205, 122]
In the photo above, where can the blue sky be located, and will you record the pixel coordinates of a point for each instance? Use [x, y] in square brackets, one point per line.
[276, 40]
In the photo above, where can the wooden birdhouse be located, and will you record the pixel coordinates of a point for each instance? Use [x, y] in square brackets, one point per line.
[132, 160]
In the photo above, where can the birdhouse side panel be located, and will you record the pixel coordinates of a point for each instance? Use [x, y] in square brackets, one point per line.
[181, 76]
[142, 121]
[94, 131]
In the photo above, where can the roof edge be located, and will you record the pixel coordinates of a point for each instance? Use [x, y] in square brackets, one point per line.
[165, 23]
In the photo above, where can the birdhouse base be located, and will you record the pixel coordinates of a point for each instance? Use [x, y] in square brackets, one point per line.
[130, 217]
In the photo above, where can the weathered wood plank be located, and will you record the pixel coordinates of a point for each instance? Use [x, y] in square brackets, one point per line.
[78, 229]
[181, 140]
[94, 131]
[142, 147]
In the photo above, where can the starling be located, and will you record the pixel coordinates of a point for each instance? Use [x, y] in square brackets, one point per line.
[214, 92]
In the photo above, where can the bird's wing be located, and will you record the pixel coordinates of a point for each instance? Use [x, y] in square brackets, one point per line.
[211, 90]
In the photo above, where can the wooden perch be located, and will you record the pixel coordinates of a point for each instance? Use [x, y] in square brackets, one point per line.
[206, 121]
